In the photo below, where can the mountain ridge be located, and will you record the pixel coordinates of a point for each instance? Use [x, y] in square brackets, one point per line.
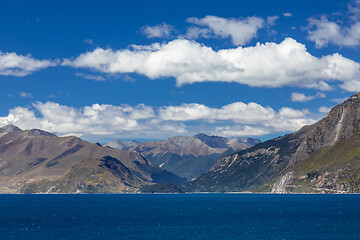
[185, 156]
[39, 161]
[277, 165]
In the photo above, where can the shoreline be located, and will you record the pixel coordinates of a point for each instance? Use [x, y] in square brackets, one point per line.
[186, 193]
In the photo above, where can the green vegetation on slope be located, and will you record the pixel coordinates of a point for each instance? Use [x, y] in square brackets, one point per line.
[335, 168]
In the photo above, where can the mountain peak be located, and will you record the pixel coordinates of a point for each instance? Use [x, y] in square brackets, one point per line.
[38, 132]
[9, 128]
[212, 141]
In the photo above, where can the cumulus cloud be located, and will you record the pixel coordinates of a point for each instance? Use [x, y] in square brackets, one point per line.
[301, 97]
[108, 121]
[12, 64]
[243, 116]
[323, 31]
[241, 31]
[237, 112]
[230, 131]
[287, 14]
[158, 31]
[263, 65]
[97, 119]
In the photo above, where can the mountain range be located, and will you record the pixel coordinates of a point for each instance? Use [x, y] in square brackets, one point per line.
[320, 158]
[36, 161]
[187, 157]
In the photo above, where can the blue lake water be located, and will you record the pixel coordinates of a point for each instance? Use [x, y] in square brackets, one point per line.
[180, 216]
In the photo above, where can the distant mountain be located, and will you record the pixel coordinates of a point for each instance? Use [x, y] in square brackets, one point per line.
[225, 143]
[36, 161]
[187, 157]
[320, 158]
[122, 145]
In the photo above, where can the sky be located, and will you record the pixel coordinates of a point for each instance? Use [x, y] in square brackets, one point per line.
[147, 70]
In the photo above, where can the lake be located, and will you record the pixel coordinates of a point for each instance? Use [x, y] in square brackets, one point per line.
[179, 216]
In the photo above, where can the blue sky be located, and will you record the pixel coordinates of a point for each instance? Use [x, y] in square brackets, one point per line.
[155, 69]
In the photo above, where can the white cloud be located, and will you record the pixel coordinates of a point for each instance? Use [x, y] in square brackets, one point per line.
[241, 31]
[325, 32]
[252, 115]
[25, 95]
[287, 14]
[300, 97]
[194, 32]
[263, 65]
[97, 78]
[159, 31]
[322, 31]
[12, 64]
[230, 131]
[236, 112]
[271, 20]
[324, 109]
[102, 121]
[292, 113]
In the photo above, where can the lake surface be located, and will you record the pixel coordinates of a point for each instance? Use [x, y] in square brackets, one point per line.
[180, 216]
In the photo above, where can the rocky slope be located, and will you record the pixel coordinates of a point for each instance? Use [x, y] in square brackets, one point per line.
[35, 161]
[323, 157]
[187, 157]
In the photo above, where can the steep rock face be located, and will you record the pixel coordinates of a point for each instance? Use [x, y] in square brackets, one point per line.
[297, 162]
[42, 160]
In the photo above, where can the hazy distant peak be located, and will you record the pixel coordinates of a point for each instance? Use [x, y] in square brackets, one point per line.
[118, 144]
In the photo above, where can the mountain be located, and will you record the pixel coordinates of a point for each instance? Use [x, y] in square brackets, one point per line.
[8, 128]
[35, 161]
[187, 157]
[122, 145]
[320, 158]
[225, 143]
